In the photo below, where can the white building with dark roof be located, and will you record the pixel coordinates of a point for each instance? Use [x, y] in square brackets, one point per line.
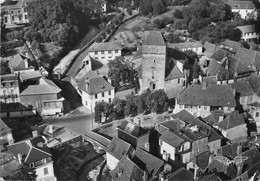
[104, 52]
[249, 32]
[34, 154]
[244, 8]
[201, 100]
[93, 89]
[196, 47]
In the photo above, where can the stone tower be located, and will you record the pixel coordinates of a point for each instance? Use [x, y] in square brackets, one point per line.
[153, 61]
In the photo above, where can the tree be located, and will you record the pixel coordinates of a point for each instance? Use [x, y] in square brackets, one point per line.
[98, 112]
[157, 23]
[119, 107]
[146, 7]
[157, 100]
[178, 14]
[235, 34]
[5, 69]
[24, 173]
[158, 7]
[195, 69]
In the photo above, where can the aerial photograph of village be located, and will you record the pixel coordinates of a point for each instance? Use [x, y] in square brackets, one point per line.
[130, 90]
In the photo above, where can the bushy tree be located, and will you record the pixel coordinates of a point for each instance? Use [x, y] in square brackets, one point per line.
[178, 14]
[158, 7]
[5, 69]
[235, 34]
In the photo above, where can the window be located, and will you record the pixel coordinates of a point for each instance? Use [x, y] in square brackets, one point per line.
[95, 96]
[26, 16]
[31, 165]
[20, 17]
[109, 51]
[25, 10]
[178, 80]
[250, 98]
[229, 108]
[109, 92]
[96, 58]
[102, 52]
[86, 103]
[116, 51]
[102, 57]
[109, 100]
[18, 11]
[257, 114]
[103, 94]
[96, 53]
[4, 92]
[13, 18]
[205, 107]
[45, 171]
[12, 12]
[6, 19]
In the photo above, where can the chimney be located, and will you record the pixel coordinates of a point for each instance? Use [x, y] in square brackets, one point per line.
[35, 133]
[50, 129]
[204, 86]
[239, 150]
[25, 63]
[221, 118]
[87, 83]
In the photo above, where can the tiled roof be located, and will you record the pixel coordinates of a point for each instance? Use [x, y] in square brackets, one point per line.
[45, 87]
[254, 81]
[97, 84]
[229, 171]
[236, 66]
[132, 129]
[30, 150]
[232, 120]
[104, 47]
[220, 54]
[118, 148]
[176, 54]
[215, 68]
[3, 127]
[213, 135]
[248, 28]
[213, 95]
[181, 174]
[243, 88]
[241, 4]
[210, 177]
[172, 138]
[14, 5]
[202, 160]
[154, 38]
[30, 75]
[174, 74]
[209, 80]
[229, 151]
[213, 118]
[127, 170]
[233, 44]
[185, 45]
[152, 164]
[249, 57]
[173, 125]
[210, 49]
[253, 158]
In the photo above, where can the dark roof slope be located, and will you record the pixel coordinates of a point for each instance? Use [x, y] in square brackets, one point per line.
[212, 95]
[181, 174]
[234, 45]
[232, 120]
[202, 160]
[3, 127]
[243, 88]
[104, 47]
[254, 82]
[132, 129]
[249, 57]
[154, 38]
[241, 4]
[174, 74]
[253, 158]
[152, 163]
[127, 170]
[118, 148]
[172, 138]
[229, 151]
[210, 49]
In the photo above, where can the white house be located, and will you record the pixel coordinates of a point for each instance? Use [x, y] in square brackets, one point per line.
[233, 126]
[196, 46]
[244, 8]
[116, 150]
[201, 100]
[249, 32]
[254, 111]
[14, 12]
[93, 89]
[104, 52]
[33, 153]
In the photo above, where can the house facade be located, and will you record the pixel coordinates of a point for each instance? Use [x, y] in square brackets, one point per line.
[15, 12]
[44, 97]
[196, 47]
[201, 100]
[246, 9]
[104, 52]
[249, 32]
[34, 154]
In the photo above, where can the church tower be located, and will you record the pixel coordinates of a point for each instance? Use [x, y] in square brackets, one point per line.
[153, 61]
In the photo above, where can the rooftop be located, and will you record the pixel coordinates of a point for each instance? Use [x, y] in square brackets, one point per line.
[118, 148]
[241, 4]
[30, 75]
[152, 163]
[248, 29]
[234, 45]
[254, 82]
[202, 160]
[181, 174]
[185, 45]
[9, 77]
[30, 150]
[132, 129]
[45, 86]
[104, 47]
[174, 74]
[249, 57]
[243, 88]
[231, 121]
[92, 83]
[210, 49]
[209, 95]
[172, 138]
[4, 127]
[154, 38]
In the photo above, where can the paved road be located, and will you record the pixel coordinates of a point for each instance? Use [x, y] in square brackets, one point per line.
[77, 124]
